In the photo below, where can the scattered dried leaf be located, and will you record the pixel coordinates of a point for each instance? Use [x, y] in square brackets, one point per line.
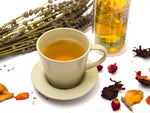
[133, 97]
[111, 91]
[142, 79]
[22, 96]
[115, 104]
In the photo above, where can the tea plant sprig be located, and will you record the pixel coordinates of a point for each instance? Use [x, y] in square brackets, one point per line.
[20, 34]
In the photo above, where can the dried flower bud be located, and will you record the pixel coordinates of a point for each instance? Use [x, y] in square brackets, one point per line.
[148, 100]
[112, 68]
[12, 21]
[115, 104]
[25, 23]
[25, 15]
[50, 1]
[31, 12]
[99, 67]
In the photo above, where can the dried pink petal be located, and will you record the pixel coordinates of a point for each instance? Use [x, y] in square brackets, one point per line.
[112, 68]
[99, 67]
[115, 104]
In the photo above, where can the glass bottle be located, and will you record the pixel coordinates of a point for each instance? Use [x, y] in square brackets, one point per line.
[110, 23]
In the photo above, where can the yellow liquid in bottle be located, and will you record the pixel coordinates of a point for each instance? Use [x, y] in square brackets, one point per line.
[111, 23]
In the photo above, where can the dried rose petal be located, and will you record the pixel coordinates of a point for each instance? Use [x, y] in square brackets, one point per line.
[115, 104]
[112, 68]
[99, 67]
[148, 100]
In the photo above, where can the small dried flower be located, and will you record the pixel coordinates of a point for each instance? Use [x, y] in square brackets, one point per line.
[148, 100]
[115, 104]
[99, 67]
[112, 68]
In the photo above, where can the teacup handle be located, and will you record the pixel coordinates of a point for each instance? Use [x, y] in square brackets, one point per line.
[96, 63]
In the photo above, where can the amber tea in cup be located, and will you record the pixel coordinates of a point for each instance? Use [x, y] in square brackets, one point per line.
[64, 50]
[64, 54]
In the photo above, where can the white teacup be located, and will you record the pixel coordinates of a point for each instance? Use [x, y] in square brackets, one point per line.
[67, 74]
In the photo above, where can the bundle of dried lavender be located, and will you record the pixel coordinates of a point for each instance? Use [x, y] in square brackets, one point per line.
[20, 34]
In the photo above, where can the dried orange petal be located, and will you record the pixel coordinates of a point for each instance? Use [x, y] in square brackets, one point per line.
[6, 96]
[4, 93]
[3, 89]
[22, 96]
[133, 96]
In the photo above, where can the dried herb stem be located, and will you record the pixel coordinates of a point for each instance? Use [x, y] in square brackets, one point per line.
[127, 105]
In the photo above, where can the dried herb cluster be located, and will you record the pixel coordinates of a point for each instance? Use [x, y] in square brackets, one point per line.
[144, 53]
[20, 34]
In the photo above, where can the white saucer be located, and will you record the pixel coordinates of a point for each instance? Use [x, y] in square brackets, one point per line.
[41, 84]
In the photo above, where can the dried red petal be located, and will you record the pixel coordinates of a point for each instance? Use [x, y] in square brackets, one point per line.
[142, 79]
[115, 104]
[22, 96]
[111, 92]
[148, 100]
[112, 68]
[99, 67]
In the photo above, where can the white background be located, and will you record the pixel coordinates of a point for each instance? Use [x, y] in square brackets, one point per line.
[19, 79]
